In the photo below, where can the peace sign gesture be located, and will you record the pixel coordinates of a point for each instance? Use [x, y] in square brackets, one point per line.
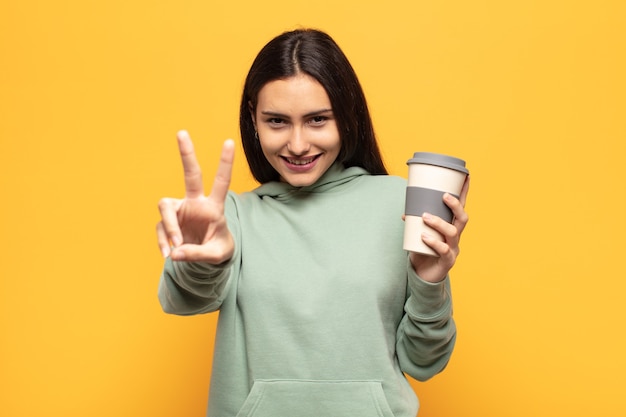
[194, 228]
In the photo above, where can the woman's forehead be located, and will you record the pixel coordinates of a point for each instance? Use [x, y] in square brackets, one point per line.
[300, 94]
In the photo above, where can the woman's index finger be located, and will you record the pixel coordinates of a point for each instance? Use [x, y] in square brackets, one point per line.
[224, 172]
[193, 174]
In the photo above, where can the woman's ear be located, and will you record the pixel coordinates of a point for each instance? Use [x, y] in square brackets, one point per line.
[252, 114]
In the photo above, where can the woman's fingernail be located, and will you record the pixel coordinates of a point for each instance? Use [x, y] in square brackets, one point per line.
[176, 241]
[426, 216]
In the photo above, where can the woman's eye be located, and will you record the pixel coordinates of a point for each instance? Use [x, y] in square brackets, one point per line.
[276, 121]
[318, 120]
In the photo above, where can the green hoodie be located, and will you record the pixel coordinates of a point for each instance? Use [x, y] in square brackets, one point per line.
[321, 313]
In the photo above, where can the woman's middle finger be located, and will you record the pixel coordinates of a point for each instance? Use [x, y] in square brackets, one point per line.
[449, 231]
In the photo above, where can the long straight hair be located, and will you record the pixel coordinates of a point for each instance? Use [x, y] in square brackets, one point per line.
[316, 54]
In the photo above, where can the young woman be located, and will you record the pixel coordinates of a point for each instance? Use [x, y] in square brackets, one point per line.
[321, 310]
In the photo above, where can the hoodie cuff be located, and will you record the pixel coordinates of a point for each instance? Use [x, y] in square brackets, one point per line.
[428, 300]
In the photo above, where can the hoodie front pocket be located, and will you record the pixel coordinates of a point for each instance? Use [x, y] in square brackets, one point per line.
[303, 398]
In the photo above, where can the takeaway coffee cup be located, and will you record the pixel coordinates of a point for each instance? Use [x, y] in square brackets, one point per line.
[430, 176]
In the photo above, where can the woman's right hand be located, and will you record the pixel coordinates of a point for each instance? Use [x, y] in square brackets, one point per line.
[194, 228]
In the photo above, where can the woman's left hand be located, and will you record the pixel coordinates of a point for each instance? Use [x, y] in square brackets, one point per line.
[434, 269]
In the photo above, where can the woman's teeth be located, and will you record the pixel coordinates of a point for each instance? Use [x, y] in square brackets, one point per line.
[300, 161]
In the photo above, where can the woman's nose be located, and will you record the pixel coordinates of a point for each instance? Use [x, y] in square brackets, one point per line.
[298, 144]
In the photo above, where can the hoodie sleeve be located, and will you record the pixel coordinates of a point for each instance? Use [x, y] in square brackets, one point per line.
[188, 288]
[427, 333]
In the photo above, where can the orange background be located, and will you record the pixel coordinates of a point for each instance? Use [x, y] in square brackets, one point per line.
[531, 93]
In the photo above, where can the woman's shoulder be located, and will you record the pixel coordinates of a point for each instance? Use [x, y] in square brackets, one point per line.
[391, 182]
[239, 198]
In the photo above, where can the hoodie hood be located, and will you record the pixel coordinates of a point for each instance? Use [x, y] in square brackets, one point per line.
[335, 175]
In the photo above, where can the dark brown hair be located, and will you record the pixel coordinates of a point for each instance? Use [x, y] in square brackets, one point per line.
[316, 54]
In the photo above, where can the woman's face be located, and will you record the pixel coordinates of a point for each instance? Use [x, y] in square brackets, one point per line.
[297, 129]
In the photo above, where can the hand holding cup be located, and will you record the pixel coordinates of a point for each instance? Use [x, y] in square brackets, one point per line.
[434, 212]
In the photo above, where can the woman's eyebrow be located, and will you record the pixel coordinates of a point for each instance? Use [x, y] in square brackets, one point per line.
[318, 112]
[284, 116]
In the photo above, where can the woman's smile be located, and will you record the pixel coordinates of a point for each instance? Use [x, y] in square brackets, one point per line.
[301, 164]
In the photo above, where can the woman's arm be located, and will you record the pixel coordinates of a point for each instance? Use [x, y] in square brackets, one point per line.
[195, 238]
[427, 333]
